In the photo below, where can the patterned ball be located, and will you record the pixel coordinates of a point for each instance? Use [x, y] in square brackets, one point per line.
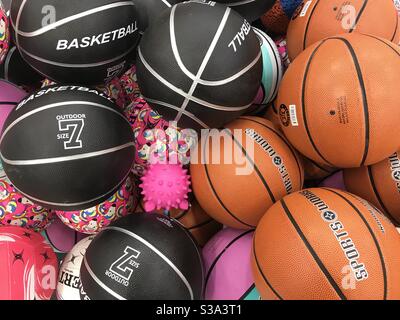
[92, 220]
[4, 34]
[16, 210]
[156, 139]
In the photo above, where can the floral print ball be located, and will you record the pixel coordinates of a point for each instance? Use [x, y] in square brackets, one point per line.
[92, 220]
[16, 210]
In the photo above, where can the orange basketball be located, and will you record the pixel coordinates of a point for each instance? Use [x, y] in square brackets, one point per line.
[339, 101]
[325, 244]
[379, 184]
[314, 170]
[319, 19]
[256, 167]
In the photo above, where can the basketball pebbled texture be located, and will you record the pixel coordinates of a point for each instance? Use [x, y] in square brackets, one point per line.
[211, 77]
[334, 104]
[316, 20]
[251, 10]
[326, 244]
[85, 42]
[147, 241]
[63, 163]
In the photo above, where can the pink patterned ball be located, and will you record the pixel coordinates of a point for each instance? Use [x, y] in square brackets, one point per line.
[92, 220]
[4, 34]
[16, 210]
[156, 139]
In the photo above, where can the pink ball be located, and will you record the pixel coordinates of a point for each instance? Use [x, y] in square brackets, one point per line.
[165, 186]
[61, 238]
[228, 269]
[16, 210]
[29, 267]
[92, 220]
[9, 93]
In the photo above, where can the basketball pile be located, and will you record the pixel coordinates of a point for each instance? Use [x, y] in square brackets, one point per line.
[156, 149]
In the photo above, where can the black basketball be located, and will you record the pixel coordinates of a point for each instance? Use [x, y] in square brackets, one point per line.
[199, 64]
[149, 10]
[142, 256]
[250, 9]
[16, 70]
[67, 147]
[75, 41]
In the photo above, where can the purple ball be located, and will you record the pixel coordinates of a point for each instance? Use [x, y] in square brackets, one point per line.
[228, 269]
[334, 181]
[10, 96]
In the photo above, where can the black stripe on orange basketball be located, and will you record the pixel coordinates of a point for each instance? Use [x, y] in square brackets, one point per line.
[216, 194]
[303, 104]
[212, 266]
[359, 16]
[395, 29]
[261, 271]
[286, 143]
[313, 253]
[364, 97]
[385, 43]
[384, 272]
[377, 195]
[264, 182]
[308, 25]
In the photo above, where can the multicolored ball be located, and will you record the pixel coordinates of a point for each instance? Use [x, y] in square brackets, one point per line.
[156, 139]
[92, 220]
[16, 210]
[4, 34]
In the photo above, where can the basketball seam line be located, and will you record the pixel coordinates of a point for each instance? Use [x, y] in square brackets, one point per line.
[386, 44]
[303, 104]
[70, 204]
[312, 252]
[66, 158]
[286, 143]
[263, 181]
[215, 192]
[218, 257]
[185, 112]
[180, 216]
[158, 252]
[359, 16]
[197, 78]
[183, 93]
[364, 97]
[67, 20]
[250, 289]
[308, 25]
[375, 190]
[396, 27]
[373, 237]
[260, 270]
[55, 105]
[167, 3]
[202, 224]
[7, 61]
[319, 166]
[100, 283]
[239, 3]
[205, 61]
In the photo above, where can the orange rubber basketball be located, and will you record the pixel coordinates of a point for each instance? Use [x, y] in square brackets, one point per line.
[339, 101]
[318, 19]
[325, 244]
[314, 170]
[379, 184]
[264, 168]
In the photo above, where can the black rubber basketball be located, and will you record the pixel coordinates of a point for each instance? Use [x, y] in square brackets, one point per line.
[75, 41]
[67, 147]
[16, 70]
[250, 9]
[149, 10]
[142, 256]
[199, 64]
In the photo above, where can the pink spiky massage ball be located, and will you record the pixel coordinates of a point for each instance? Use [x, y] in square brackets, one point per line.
[165, 186]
